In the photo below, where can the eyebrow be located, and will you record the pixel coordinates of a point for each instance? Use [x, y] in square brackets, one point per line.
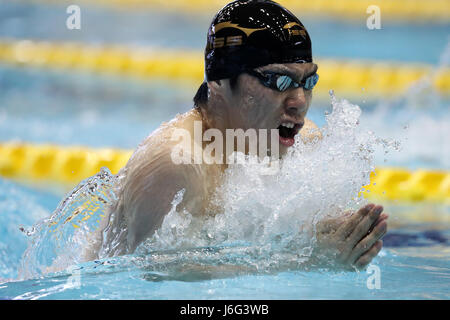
[289, 72]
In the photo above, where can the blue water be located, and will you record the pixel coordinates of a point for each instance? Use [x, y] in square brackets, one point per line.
[430, 282]
[99, 111]
[412, 251]
[331, 37]
[43, 106]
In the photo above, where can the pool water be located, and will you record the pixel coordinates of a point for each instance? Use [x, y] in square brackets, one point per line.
[414, 264]
[44, 106]
[172, 267]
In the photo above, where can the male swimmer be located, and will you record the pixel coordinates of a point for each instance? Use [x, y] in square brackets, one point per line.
[259, 74]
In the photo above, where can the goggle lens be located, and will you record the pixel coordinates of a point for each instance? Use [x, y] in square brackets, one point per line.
[282, 82]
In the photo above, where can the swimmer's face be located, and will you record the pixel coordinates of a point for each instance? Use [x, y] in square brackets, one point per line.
[256, 106]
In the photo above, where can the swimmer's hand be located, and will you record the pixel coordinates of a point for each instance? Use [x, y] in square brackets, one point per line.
[351, 241]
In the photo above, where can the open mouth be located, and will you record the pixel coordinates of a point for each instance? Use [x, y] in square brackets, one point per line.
[287, 132]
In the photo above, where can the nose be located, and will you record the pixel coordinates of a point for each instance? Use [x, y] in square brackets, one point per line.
[296, 102]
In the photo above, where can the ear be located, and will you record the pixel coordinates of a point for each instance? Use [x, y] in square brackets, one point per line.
[220, 89]
[216, 88]
[214, 85]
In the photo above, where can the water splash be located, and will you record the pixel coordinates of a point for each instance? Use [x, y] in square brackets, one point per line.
[19, 205]
[267, 221]
[419, 119]
[58, 241]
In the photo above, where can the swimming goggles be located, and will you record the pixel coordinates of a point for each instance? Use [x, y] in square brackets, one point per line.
[282, 82]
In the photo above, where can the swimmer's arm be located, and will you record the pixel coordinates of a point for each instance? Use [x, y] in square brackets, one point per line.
[148, 198]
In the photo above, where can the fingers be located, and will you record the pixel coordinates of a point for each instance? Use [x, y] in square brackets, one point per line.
[365, 259]
[346, 229]
[383, 216]
[363, 246]
[364, 225]
[332, 224]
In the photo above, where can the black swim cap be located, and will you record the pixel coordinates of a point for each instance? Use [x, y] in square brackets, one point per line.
[247, 34]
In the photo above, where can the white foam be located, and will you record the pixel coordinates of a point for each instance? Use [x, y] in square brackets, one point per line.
[276, 214]
[267, 219]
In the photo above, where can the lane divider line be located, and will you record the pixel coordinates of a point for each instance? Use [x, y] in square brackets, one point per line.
[70, 165]
[350, 78]
[409, 10]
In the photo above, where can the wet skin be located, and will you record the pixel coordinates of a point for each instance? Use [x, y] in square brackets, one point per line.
[352, 240]
[151, 179]
[252, 105]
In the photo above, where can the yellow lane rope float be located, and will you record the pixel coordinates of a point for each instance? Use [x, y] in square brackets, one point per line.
[413, 10]
[70, 165]
[57, 164]
[345, 77]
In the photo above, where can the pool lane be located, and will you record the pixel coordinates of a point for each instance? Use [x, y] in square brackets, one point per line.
[421, 42]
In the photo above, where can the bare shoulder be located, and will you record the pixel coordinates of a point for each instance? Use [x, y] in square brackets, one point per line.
[153, 163]
[150, 181]
[310, 124]
[310, 131]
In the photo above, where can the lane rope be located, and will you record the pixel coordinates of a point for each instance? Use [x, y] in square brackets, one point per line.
[350, 78]
[70, 165]
[410, 10]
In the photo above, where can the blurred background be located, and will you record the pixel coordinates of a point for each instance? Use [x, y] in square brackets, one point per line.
[134, 64]
[74, 100]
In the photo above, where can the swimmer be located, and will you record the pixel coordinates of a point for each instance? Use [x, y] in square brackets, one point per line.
[259, 74]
